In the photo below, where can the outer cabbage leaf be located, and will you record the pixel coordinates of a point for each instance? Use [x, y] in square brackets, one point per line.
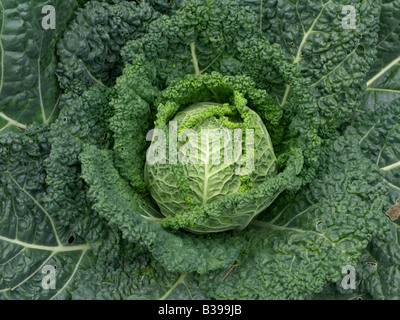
[334, 58]
[379, 269]
[383, 83]
[90, 49]
[138, 279]
[30, 237]
[82, 119]
[28, 85]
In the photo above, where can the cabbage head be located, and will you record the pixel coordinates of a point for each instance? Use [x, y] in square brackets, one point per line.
[210, 150]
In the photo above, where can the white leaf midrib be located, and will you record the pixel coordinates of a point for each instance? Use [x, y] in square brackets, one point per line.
[72, 275]
[11, 122]
[54, 249]
[60, 247]
[39, 206]
[392, 166]
[194, 58]
[181, 280]
[40, 83]
[307, 34]
[395, 91]
[383, 71]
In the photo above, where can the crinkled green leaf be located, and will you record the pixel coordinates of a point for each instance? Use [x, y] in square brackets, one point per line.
[334, 59]
[30, 236]
[379, 268]
[136, 279]
[383, 84]
[82, 120]
[90, 49]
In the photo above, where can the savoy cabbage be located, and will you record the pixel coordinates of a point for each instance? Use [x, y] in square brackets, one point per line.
[84, 108]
